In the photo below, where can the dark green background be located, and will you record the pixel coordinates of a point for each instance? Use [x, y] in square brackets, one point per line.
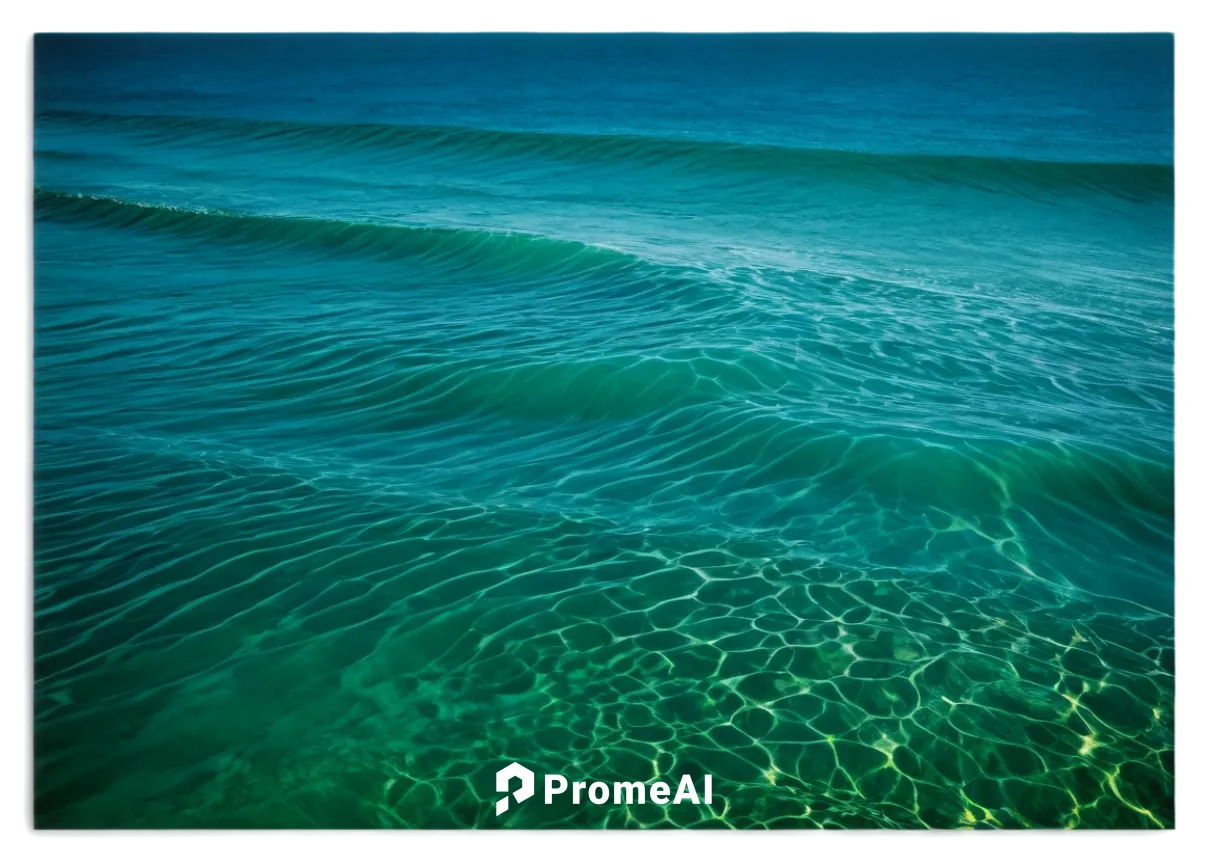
[1191, 206]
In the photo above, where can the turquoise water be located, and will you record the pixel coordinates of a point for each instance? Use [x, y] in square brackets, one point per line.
[797, 410]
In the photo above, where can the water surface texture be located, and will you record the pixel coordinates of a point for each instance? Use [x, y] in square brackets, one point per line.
[792, 409]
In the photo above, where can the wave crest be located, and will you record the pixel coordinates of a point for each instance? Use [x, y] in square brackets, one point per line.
[454, 249]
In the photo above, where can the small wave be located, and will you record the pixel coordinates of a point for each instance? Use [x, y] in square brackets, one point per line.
[454, 249]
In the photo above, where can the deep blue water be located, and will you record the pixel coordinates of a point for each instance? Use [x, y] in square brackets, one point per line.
[795, 408]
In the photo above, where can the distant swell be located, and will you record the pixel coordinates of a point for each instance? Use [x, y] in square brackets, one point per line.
[713, 159]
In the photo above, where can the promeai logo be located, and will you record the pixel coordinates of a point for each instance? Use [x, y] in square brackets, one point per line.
[501, 785]
[621, 792]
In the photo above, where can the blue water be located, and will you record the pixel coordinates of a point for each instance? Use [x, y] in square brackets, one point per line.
[796, 409]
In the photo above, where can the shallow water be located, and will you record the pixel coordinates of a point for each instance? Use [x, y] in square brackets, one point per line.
[797, 410]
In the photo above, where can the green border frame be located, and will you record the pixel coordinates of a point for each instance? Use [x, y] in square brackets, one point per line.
[1191, 833]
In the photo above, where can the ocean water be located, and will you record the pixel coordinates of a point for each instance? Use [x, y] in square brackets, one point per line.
[792, 409]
